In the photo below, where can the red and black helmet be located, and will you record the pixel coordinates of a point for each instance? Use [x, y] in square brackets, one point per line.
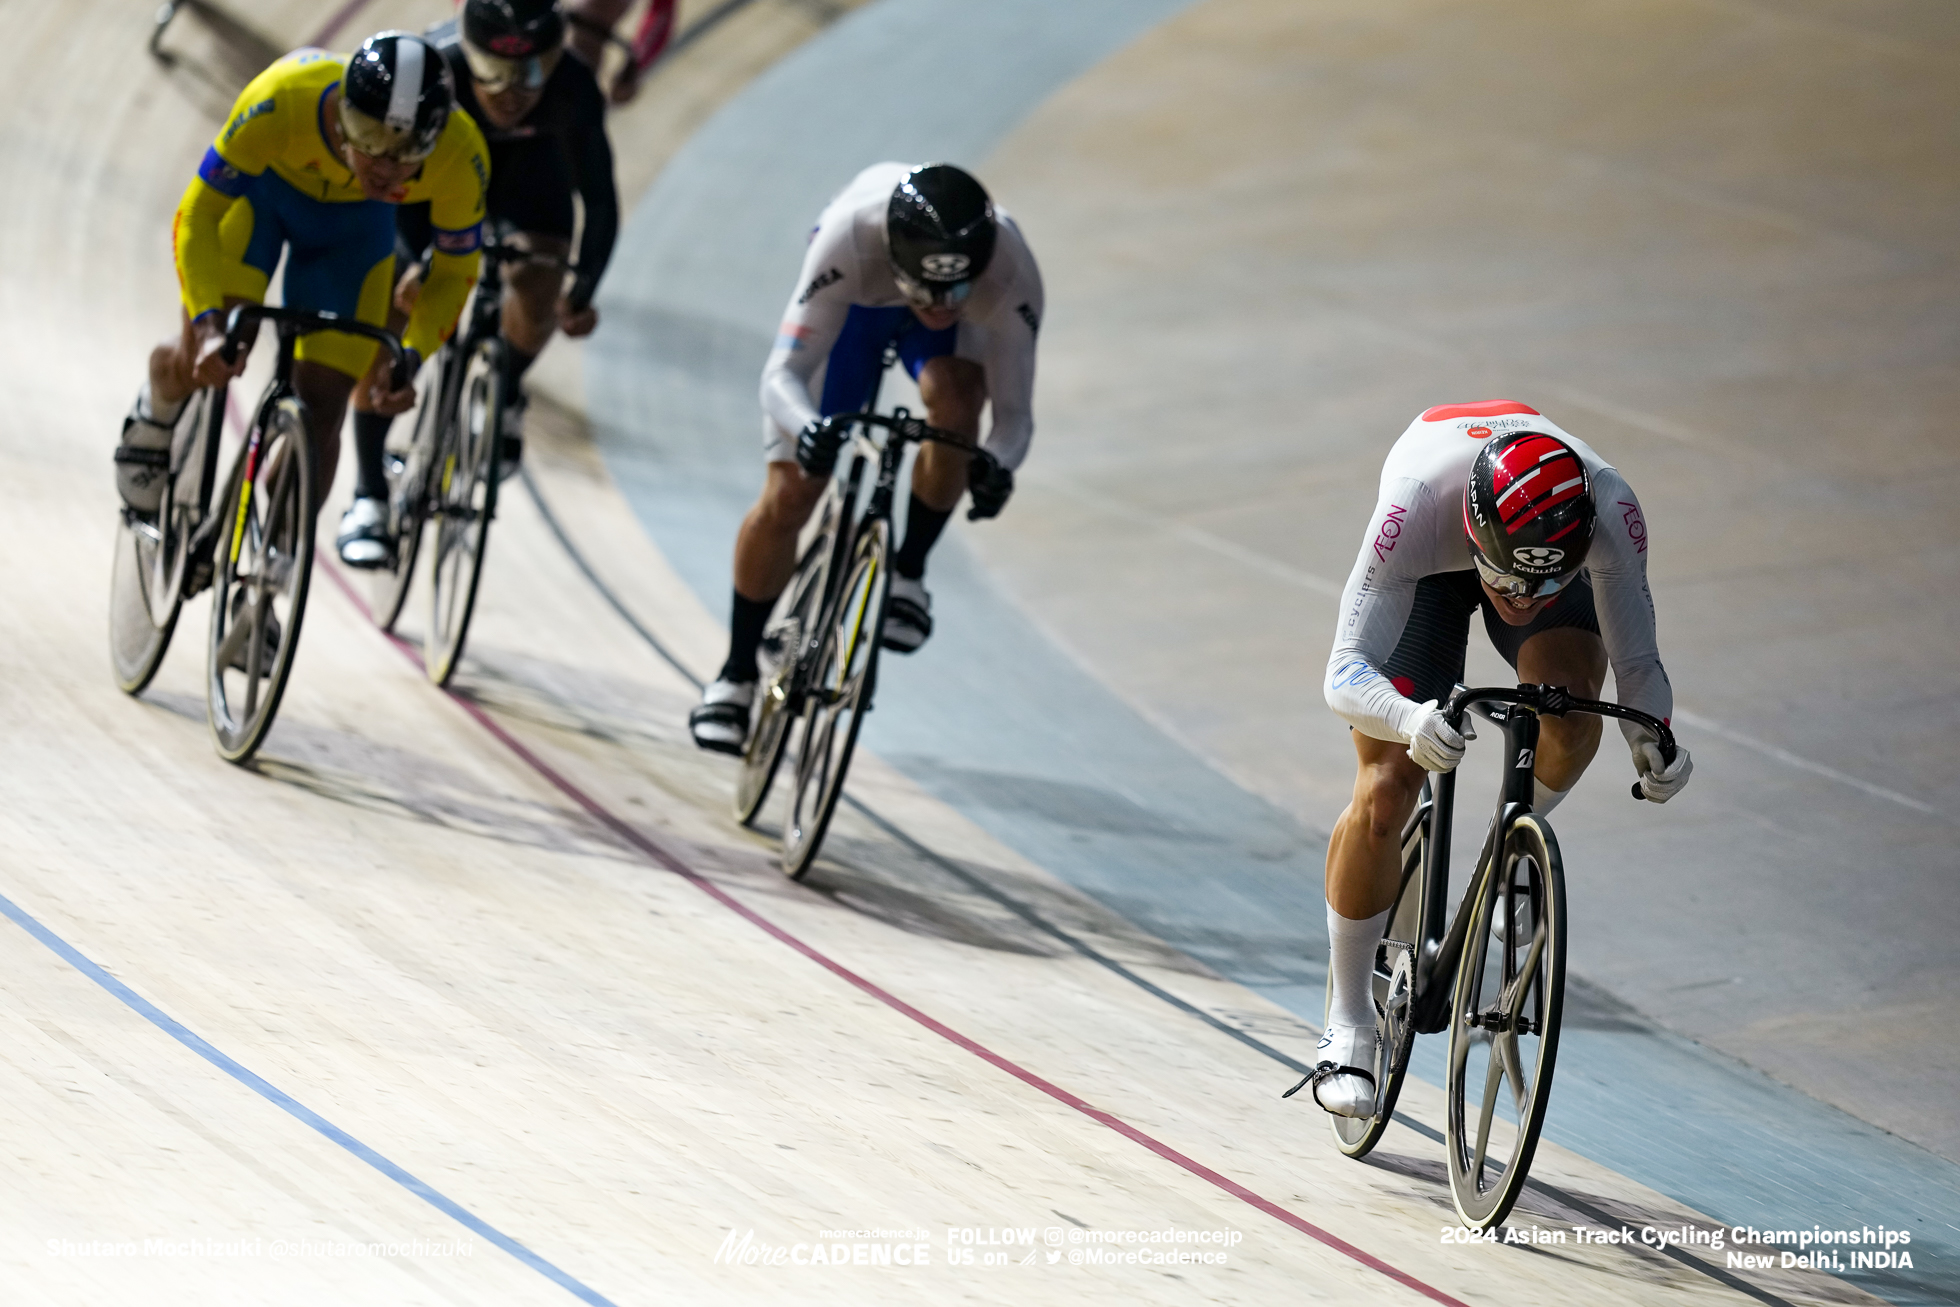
[1529, 512]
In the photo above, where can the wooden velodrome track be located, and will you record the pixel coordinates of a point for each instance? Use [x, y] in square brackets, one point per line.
[482, 998]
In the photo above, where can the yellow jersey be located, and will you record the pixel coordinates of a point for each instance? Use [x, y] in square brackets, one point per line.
[278, 125]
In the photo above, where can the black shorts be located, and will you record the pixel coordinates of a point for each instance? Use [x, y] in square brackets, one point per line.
[1428, 659]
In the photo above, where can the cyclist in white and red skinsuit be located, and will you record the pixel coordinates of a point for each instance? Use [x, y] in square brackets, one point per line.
[1399, 648]
[921, 260]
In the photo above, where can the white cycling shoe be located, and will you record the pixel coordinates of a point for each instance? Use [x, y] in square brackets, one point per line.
[908, 615]
[721, 722]
[1344, 1078]
[363, 540]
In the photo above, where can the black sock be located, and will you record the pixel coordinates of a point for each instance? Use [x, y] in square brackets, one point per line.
[745, 623]
[922, 527]
[516, 364]
[370, 444]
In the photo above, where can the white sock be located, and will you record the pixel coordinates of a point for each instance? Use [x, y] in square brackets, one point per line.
[1544, 798]
[152, 410]
[1351, 965]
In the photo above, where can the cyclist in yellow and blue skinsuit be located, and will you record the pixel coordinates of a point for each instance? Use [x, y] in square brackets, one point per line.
[317, 152]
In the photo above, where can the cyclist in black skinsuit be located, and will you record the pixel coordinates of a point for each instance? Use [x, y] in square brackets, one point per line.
[545, 121]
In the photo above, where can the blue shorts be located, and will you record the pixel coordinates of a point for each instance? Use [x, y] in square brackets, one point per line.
[340, 257]
[857, 360]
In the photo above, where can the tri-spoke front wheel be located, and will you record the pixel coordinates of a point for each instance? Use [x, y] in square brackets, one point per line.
[264, 560]
[1504, 1024]
[837, 697]
[465, 501]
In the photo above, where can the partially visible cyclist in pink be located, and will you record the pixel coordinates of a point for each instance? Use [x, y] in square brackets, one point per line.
[593, 21]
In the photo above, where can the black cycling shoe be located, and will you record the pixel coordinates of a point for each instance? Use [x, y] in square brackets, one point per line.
[908, 615]
[721, 721]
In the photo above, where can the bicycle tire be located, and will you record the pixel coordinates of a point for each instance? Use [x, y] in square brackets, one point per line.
[146, 582]
[843, 678]
[409, 491]
[1394, 985]
[465, 503]
[1530, 984]
[785, 646]
[265, 556]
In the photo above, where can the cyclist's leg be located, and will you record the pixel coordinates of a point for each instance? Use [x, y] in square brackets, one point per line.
[765, 547]
[413, 234]
[954, 390]
[1561, 646]
[251, 242]
[530, 206]
[1364, 855]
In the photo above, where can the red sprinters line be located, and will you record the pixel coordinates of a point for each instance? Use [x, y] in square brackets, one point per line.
[660, 857]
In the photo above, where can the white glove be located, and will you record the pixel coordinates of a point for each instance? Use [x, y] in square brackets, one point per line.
[1433, 745]
[1660, 782]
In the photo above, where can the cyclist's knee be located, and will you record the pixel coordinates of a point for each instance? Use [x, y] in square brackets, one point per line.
[1567, 656]
[954, 391]
[789, 497]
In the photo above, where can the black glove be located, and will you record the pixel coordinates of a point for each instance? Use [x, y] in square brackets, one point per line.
[990, 484]
[816, 448]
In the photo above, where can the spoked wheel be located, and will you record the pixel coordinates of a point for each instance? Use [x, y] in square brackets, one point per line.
[1504, 1023]
[146, 587]
[264, 561]
[464, 501]
[785, 642]
[1394, 982]
[407, 460]
[837, 697]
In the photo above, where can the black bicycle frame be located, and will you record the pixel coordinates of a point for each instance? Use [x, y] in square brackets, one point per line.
[1517, 712]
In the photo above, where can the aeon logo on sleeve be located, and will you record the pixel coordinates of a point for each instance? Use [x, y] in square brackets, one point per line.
[1636, 529]
[1390, 531]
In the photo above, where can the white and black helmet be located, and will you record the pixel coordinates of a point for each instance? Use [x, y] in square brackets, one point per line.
[941, 229]
[396, 97]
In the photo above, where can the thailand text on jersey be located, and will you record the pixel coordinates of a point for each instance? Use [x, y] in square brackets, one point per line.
[278, 124]
[1417, 530]
[848, 264]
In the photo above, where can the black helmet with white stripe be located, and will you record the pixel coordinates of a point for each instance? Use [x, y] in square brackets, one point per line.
[395, 98]
[941, 228]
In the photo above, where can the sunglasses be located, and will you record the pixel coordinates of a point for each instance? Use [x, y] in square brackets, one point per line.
[1520, 588]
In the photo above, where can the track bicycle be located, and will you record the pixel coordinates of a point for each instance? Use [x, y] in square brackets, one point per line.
[1493, 975]
[255, 551]
[447, 472]
[820, 647]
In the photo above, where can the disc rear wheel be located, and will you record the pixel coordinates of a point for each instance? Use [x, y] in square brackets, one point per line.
[1504, 1024]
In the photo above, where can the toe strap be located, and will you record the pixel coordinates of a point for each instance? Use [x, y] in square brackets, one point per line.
[1324, 1072]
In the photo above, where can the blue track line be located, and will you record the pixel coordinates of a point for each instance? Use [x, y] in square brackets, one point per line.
[279, 1098]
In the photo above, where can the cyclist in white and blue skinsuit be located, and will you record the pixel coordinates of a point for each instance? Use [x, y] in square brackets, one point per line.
[921, 259]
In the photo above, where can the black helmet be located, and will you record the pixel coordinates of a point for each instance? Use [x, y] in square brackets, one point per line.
[512, 44]
[1529, 511]
[395, 98]
[941, 227]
